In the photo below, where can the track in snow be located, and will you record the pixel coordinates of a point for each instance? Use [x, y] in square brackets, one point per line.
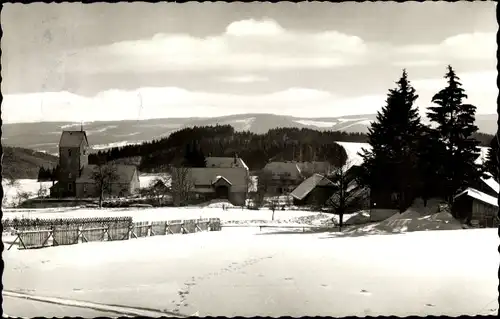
[118, 309]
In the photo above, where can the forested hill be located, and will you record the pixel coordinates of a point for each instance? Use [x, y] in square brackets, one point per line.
[255, 149]
[22, 163]
[223, 140]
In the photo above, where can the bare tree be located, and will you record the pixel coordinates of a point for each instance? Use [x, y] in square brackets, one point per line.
[104, 175]
[264, 181]
[42, 192]
[160, 188]
[10, 183]
[21, 197]
[181, 185]
[348, 195]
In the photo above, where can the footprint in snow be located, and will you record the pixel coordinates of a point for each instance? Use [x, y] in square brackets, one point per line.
[288, 278]
[429, 305]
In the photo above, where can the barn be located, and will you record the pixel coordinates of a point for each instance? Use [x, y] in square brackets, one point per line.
[222, 178]
[476, 208]
[315, 190]
[125, 183]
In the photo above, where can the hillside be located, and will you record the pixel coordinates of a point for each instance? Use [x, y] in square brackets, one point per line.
[22, 163]
[284, 144]
[45, 136]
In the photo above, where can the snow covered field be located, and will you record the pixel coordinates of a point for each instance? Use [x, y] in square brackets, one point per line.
[242, 271]
[158, 214]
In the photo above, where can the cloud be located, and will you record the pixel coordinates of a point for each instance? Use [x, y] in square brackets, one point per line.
[253, 27]
[245, 45]
[243, 79]
[146, 103]
[466, 46]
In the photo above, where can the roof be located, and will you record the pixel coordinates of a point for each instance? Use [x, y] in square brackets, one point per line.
[490, 181]
[284, 167]
[72, 138]
[225, 162]
[483, 154]
[301, 191]
[208, 175]
[356, 193]
[124, 173]
[474, 193]
[221, 179]
[353, 150]
[315, 167]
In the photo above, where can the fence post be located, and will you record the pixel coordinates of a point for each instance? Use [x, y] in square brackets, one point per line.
[79, 234]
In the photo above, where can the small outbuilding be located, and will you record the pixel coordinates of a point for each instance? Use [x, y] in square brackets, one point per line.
[315, 190]
[476, 208]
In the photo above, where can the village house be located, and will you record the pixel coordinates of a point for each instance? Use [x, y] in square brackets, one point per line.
[75, 174]
[282, 177]
[314, 191]
[478, 206]
[222, 178]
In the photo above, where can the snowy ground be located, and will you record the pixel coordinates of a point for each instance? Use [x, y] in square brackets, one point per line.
[162, 213]
[25, 185]
[243, 271]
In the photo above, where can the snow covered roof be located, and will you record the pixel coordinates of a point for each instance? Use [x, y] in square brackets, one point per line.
[225, 162]
[284, 167]
[353, 150]
[206, 176]
[124, 173]
[309, 184]
[315, 167]
[474, 193]
[482, 155]
[221, 178]
[490, 181]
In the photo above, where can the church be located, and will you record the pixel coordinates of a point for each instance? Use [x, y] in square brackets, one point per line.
[75, 178]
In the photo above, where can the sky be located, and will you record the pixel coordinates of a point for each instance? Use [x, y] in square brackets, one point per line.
[88, 62]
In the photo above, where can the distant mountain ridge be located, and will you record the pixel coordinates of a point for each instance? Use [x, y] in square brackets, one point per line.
[44, 136]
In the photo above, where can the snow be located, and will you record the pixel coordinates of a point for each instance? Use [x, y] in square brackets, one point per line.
[364, 122]
[159, 214]
[245, 272]
[317, 123]
[490, 181]
[474, 193]
[115, 144]
[146, 180]
[482, 155]
[351, 119]
[25, 185]
[352, 149]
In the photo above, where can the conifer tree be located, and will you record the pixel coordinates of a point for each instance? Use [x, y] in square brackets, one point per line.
[491, 163]
[453, 136]
[391, 165]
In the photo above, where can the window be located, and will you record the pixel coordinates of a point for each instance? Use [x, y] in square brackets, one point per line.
[70, 187]
[70, 175]
[69, 153]
[84, 188]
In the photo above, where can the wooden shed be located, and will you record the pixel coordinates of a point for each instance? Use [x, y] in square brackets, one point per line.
[476, 208]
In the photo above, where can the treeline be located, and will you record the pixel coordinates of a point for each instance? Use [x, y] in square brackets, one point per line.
[409, 159]
[256, 150]
[48, 174]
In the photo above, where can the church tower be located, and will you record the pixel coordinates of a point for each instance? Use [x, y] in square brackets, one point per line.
[73, 157]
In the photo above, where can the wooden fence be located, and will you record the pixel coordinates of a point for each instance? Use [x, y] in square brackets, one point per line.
[71, 234]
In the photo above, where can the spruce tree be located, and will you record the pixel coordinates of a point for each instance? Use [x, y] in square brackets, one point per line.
[491, 163]
[391, 166]
[453, 135]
